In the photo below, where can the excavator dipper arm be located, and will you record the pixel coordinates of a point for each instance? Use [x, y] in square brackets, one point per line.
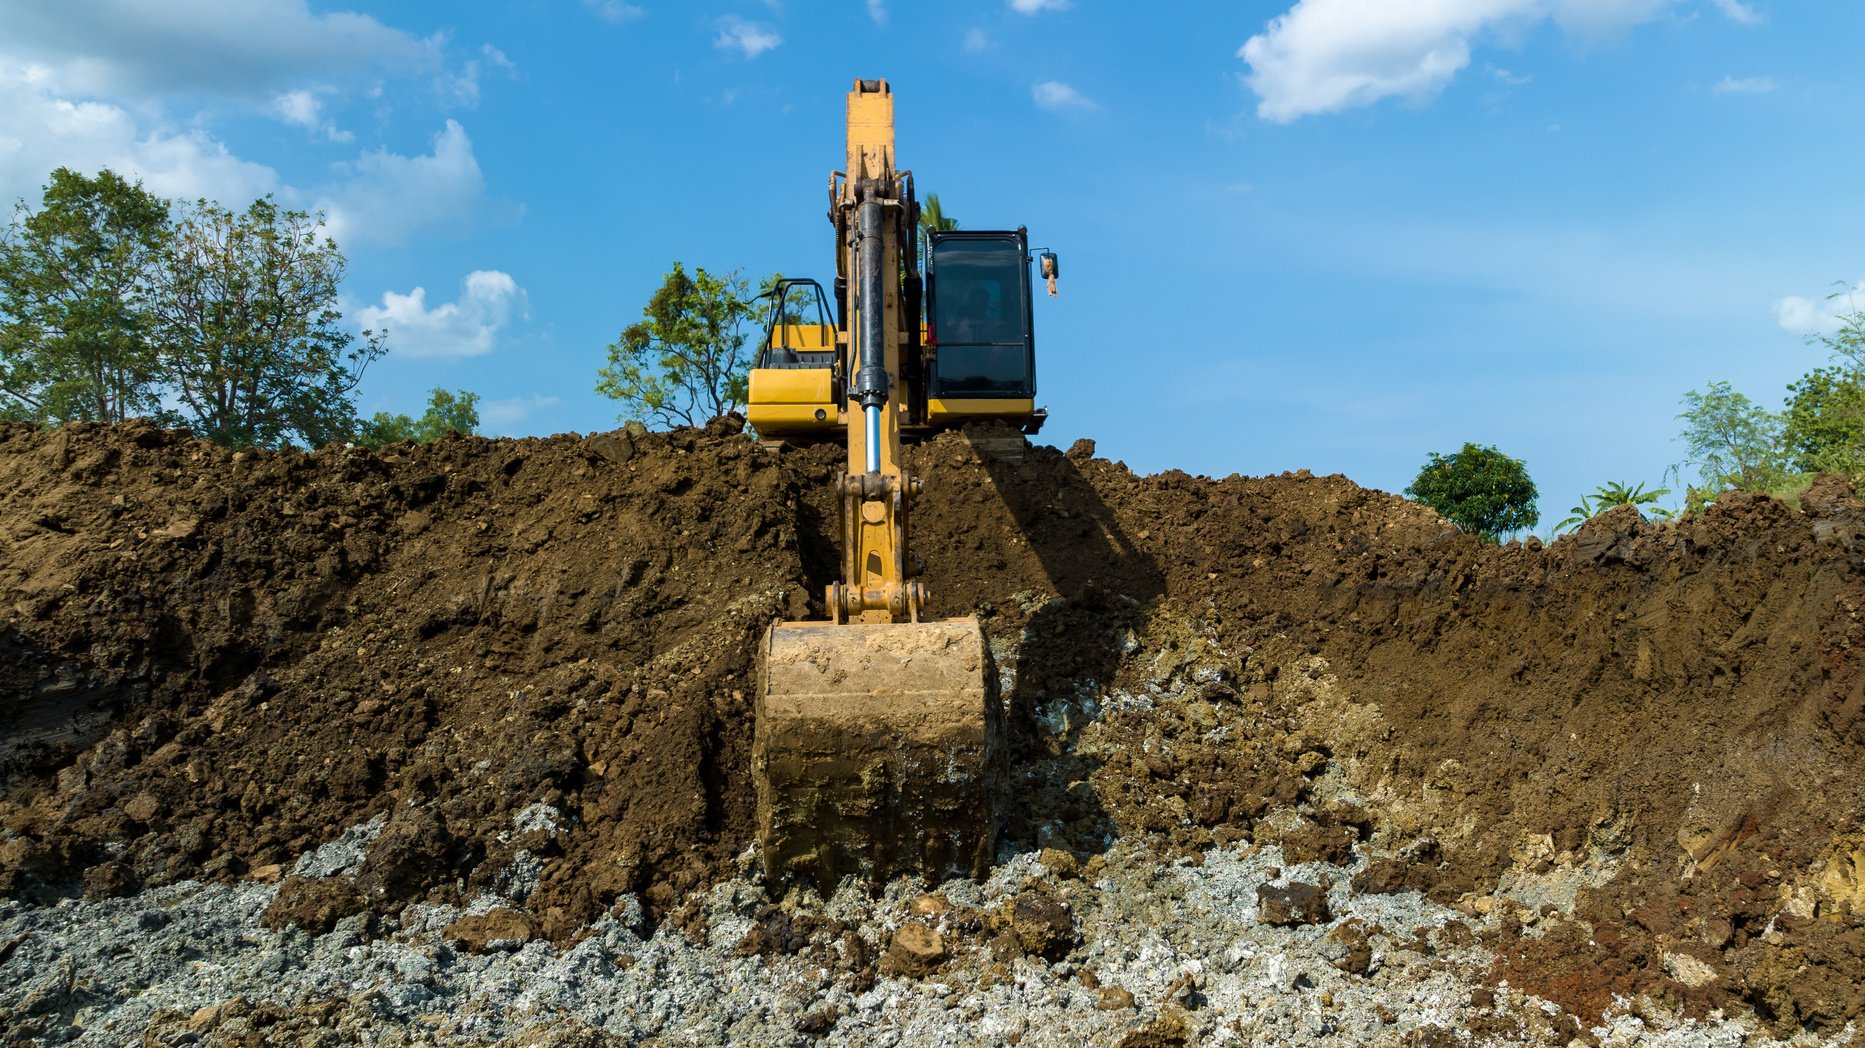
[876, 746]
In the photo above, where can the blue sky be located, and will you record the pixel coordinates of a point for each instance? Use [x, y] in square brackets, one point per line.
[1334, 234]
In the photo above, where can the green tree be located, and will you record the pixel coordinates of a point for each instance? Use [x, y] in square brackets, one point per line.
[1732, 442]
[1824, 425]
[933, 219]
[687, 360]
[1479, 489]
[1612, 495]
[254, 347]
[74, 321]
[446, 413]
[1847, 342]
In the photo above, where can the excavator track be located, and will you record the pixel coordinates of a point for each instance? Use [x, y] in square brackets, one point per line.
[878, 751]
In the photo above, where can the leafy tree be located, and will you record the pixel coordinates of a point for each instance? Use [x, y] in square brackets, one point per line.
[1824, 425]
[1848, 341]
[1577, 515]
[1612, 495]
[74, 320]
[446, 413]
[1479, 489]
[246, 308]
[933, 219]
[686, 361]
[1733, 442]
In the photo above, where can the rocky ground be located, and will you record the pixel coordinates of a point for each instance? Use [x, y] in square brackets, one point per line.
[449, 743]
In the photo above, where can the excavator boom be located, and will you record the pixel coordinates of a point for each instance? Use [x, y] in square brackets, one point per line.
[877, 741]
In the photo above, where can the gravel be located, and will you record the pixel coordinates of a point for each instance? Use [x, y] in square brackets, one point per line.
[1182, 937]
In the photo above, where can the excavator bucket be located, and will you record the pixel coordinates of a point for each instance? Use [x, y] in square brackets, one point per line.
[877, 751]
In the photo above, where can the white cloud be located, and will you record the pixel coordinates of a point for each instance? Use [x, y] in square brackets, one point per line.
[382, 197]
[1743, 85]
[976, 41]
[298, 107]
[1055, 95]
[615, 12]
[387, 197]
[135, 53]
[504, 414]
[498, 58]
[1323, 56]
[877, 10]
[1327, 55]
[305, 109]
[1604, 20]
[253, 48]
[1796, 314]
[468, 327]
[462, 88]
[1737, 11]
[750, 37]
[1811, 316]
[1031, 7]
[42, 131]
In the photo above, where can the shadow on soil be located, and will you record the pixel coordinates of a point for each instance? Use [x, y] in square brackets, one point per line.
[50, 707]
[1070, 649]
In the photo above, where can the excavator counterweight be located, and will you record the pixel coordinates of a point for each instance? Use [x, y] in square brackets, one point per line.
[877, 747]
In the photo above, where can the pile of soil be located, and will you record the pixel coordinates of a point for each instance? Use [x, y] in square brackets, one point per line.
[1643, 742]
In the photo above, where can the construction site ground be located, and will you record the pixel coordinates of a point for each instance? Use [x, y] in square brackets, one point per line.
[450, 743]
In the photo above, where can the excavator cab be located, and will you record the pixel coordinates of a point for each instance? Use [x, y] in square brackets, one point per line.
[980, 342]
[978, 302]
[970, 356]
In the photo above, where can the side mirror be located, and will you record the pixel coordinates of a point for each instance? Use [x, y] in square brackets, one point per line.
[1051, 270]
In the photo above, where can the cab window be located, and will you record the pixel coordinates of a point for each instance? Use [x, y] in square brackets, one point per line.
[978, 297]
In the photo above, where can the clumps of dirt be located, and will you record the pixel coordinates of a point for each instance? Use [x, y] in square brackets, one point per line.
[832, 945]
[1640, 744]
[1035, 922]
[230, 657]
[337, 1022]
[1284, 905]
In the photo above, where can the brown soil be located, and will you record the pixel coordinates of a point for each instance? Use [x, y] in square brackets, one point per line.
[211, 662]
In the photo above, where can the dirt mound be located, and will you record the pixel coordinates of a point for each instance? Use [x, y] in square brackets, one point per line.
[530, 661]
[284, 645]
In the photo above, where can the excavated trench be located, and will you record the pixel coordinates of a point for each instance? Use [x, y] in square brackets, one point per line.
[1633, 756]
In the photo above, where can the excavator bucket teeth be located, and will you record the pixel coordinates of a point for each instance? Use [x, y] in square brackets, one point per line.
[877, 751]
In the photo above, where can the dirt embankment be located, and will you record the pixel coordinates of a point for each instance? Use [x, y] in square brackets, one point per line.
[1643, 742]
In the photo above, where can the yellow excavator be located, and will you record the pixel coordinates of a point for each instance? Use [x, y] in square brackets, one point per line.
[877, 746]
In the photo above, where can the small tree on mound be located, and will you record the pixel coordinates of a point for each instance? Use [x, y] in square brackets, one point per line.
[686, 362]
[1733, 442]
[447, 412]
[1612, 495]
[1824, 425]
[1479, 489]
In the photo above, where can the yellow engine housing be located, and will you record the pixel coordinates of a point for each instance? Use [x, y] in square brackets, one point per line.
[788, 402]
